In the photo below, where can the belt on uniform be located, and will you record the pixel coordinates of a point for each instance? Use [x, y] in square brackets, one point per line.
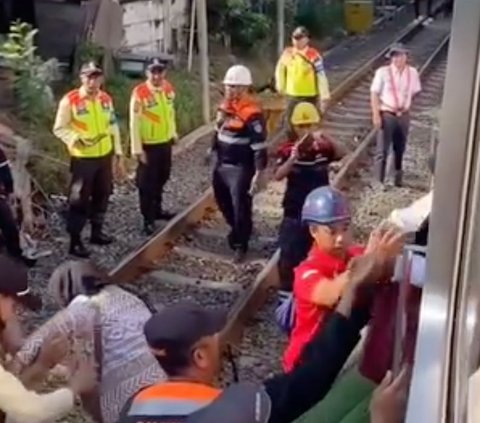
[398, 113]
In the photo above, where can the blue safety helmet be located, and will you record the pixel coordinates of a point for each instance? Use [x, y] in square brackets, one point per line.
[326, 205]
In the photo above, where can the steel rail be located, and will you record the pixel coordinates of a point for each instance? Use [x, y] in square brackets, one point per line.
[267, 279]
[146, 255]
[145, 258]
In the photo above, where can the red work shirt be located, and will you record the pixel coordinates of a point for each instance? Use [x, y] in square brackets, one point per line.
[308, 316]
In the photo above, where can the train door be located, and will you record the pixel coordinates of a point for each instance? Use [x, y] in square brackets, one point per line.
[448, 345]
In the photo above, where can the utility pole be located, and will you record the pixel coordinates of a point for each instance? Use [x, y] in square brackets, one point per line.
[281, 26]
[193, 14]
[204, 65]
[167, 26]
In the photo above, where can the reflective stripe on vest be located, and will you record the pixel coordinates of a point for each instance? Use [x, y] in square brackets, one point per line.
[172, 399]
[301, 77]
[157, 118]
[91, 118]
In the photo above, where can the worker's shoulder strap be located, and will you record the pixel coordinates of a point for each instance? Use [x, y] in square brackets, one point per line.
[168, 399]
[168, 88]
[312, 54]
[104, 97]
[142, 90]
[73, 96]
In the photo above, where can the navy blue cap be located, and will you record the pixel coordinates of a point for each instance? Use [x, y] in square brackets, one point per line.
[239, 403]
[181, 326]
[157, 64]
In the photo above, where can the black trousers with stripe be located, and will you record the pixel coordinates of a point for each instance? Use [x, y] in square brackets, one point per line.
[231, 185]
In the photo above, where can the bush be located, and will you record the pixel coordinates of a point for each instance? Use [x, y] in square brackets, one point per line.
[32, 75]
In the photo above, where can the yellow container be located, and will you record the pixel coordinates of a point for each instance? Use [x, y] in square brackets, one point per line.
[359, 15]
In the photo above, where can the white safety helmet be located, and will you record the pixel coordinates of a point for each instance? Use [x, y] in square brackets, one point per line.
[238, 75]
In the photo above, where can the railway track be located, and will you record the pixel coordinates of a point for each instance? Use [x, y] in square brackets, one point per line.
[189, 257]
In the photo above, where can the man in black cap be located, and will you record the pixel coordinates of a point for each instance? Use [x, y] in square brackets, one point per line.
[185, 339]
[87, 124]
[300, 74]
[392, 91]
[153, 131]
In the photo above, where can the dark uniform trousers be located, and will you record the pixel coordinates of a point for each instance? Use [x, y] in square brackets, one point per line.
[90, 189]
[231, 185]
[152, 177]
[394, 134]
[9, 229]
[295, 242]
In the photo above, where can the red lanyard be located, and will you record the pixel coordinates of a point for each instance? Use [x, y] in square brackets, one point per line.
[395, 90]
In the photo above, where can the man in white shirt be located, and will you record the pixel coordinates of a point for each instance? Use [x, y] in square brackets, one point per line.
[392, 91]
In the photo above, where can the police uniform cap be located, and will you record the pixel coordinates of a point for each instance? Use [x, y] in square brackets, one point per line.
[91, 68]
[156, 64]
[300, 32]
[181, 326]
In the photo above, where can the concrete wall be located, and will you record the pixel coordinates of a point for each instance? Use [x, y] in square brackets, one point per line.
[143, 24]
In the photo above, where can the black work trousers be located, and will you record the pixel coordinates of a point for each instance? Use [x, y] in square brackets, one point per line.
[231, 185]
[90, 189]
[9, 229]
[428, 11]
[152, 177]
[394, 134]
[295, 241]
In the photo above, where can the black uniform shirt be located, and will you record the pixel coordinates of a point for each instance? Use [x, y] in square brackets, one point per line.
[240, 136]
[309, 171]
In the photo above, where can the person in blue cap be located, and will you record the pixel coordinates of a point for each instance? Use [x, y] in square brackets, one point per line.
[322, 278]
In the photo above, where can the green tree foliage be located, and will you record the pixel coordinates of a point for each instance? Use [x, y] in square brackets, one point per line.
[32, 75]
[238, 22]
[245, 23]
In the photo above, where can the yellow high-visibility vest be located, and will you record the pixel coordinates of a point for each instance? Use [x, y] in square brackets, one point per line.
[91, 119]
[155, 110]
[301, 74]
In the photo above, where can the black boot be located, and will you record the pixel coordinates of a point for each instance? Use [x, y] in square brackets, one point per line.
[77, 248]
[98, 237]
[148, 228]
[239, 255]
[164, 215]
[399, 178]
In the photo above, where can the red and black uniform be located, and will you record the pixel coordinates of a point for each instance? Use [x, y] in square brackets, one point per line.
[239, 144]
[8, 225]
[310, 171]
